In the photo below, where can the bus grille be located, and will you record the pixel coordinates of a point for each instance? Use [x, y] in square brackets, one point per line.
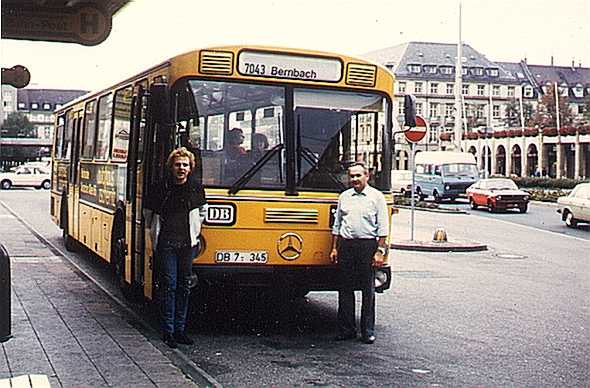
[298, 216]
[216, 62]
[361, 75]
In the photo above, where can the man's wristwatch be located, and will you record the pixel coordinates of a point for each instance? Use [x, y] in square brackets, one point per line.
[382, 250]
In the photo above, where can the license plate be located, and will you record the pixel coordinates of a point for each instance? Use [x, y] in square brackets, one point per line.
[244, 257]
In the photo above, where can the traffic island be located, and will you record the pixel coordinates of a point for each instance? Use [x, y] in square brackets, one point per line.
[437, 246]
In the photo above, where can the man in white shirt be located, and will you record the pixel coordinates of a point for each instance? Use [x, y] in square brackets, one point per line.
[359, 235]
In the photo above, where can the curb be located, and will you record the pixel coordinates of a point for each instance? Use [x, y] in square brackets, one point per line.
[432, 246]
[198, 375]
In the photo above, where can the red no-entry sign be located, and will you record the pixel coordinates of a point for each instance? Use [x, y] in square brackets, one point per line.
[417, 133]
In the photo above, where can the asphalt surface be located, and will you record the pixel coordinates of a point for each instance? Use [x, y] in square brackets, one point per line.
[515, 315]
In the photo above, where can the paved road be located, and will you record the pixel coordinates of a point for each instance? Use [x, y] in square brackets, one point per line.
[541, 215]
[516, 315]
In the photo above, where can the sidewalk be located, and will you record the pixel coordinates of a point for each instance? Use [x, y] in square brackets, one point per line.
[66, 328]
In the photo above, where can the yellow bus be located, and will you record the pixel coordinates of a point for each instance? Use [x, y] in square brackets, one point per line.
[297, 119]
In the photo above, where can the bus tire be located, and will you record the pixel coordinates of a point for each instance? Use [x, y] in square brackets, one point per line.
[118, 252]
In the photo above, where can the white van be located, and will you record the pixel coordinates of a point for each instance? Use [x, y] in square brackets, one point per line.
[444, 174]
[401, 182]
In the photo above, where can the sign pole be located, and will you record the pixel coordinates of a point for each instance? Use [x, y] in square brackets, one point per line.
[412, 193]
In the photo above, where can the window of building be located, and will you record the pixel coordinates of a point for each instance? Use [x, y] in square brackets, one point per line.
[481, 90]
[477, 71]
[579, 91]
[433, 134]
[21, 105]
[464, 70]
[419, 109]
[103, 136]
[446, 70]
[34, 105]
[401, 87]
[430, 69]
[57, 106]
[563, 89]
[47, 106]
[450, 89]
[496, 111]
[433, 110]
[449, 110]
[414, 68]
[496, 90]
[401, 108]
[465, 90]
[89, 130]
[528, 91]
[479, 111]
[418, 87]
[434, 88]
[122, 123]
[510, 91]
[493, 72]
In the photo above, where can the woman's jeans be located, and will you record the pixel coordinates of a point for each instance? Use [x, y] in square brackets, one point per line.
[175, 259]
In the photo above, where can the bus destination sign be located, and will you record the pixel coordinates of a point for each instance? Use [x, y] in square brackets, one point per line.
[289, 66]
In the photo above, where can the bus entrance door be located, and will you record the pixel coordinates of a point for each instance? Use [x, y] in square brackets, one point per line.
[135, 177]
[74, 176]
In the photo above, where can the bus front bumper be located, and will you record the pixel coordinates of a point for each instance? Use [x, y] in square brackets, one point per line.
[310, 278]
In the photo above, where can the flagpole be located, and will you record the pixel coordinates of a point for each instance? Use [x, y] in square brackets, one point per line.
[458, 88]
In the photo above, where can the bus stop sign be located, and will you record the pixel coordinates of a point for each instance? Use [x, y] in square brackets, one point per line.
[417, 133]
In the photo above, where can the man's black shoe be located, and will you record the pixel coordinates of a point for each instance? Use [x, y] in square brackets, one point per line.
[169, 340]
[184, 339]
[345, 337]
[369, 339]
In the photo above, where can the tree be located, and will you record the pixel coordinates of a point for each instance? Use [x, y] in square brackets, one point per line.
[512, 118]
[545, 115]
[17, 125]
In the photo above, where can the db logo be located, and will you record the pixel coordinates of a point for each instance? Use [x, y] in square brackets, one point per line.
[220, 214]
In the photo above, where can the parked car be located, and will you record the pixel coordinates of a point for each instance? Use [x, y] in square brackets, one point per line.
[401, 182]
[26, 176]
[575, 207]
[497, 194]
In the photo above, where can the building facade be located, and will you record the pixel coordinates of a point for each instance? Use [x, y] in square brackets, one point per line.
[38, 105]
[497, 98]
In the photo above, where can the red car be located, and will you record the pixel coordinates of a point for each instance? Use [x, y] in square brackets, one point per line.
[497, 194]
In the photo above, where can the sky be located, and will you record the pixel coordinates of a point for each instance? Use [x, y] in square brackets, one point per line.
[146, 32]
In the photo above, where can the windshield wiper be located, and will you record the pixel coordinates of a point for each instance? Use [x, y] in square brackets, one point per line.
[245, 178]
[314, 161]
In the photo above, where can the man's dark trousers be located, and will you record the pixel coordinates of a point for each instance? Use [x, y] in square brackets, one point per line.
[355, 259]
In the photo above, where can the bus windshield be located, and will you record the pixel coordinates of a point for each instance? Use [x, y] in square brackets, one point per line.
[459, 169]
[239, 130]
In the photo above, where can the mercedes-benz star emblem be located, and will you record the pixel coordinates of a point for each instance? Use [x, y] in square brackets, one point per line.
[290, 246]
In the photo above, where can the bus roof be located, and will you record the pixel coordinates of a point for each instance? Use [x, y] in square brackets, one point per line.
[444, 157]
[190, 64]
